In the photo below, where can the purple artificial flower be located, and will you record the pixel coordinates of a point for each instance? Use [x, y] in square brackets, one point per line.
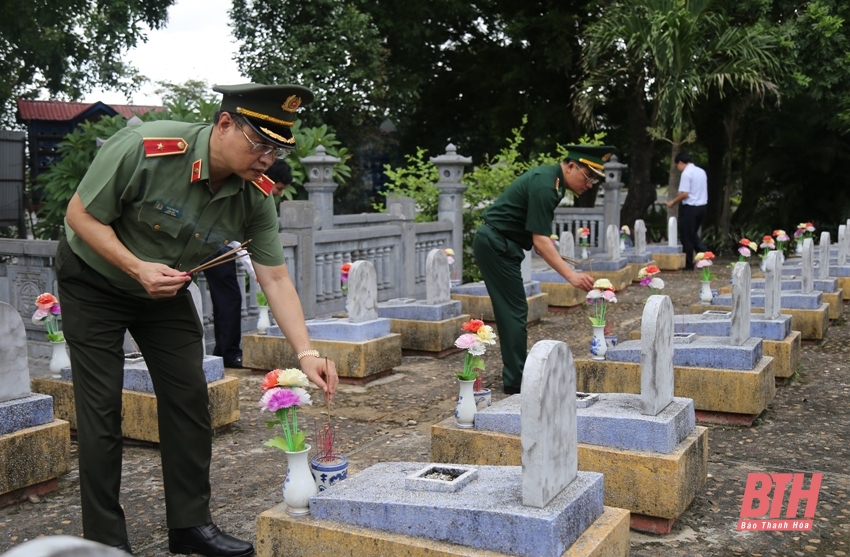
[55, 310]
[645, 280]
[609, 296]
[798, 233]
[745, 251]
[277, 399]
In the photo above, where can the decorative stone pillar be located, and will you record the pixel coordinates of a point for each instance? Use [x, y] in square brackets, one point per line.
[611, 186]
[404, 210]
[320, 186]
[296, 217]
[450, 208]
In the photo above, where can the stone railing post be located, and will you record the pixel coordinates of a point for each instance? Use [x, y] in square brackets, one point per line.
[404, 209]
[320, 185]
[450, 170]
[296, 217]
[612, 185]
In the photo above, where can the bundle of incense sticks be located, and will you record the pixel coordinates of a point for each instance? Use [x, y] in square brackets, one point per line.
[571, 261]
[227, 257]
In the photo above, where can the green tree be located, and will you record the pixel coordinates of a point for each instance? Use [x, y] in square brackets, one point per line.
[669, 54]
[66, 47]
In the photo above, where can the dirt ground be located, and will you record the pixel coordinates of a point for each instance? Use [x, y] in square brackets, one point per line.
[805, 429]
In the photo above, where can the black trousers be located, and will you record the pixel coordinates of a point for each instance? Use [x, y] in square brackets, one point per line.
[95, 316]
[690, 220]
[226, 294]
[500, 261]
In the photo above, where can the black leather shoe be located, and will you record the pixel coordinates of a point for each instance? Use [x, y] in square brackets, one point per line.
[237, 363]
[125, 547]
[208, 541]
[510, 390]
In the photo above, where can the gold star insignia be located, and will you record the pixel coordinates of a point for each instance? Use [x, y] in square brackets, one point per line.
[160, 146]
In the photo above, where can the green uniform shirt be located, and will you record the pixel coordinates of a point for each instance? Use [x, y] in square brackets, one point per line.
[161, 206]
[528, 205]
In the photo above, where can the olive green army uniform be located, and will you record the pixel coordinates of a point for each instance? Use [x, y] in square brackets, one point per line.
[525, 208]
[151, 184]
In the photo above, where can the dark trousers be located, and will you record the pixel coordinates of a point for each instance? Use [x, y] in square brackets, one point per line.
[95, 316]
[500, 262]
[690, 220]
[226, 294]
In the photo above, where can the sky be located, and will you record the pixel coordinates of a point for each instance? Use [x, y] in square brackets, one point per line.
[196, 43]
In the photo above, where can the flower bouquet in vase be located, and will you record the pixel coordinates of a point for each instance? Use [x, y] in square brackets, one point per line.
[450, 259]
[653, 283]
[263, 321]
[767, 245]
[598, 298]
[781, 240]
[584, 236]
[804, 230]
[47, 313]
[625, 237]
[703, 262]
[283, 393]
[474, 341]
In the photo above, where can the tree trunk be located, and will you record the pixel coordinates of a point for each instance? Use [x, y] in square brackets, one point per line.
[731, 123]
[641, 190]
[673, 180]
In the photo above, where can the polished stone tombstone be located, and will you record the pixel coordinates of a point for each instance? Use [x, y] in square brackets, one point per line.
[35, 447]
[637, 256]
[567, 245]
[740, 331]
[612, 242]
[653, 456]
[669, 256]
[427, 327]
[525, 267]
[611, 265]
[539, 509]
[773, 286]
[842, 244]
[823, 256]
[640, 237]
[362, 345]
[807, 274]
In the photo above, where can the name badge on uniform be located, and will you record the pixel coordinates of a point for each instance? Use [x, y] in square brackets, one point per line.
[168, 210]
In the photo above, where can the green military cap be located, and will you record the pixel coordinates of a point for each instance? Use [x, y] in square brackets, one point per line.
[594, 156]
[269, 109]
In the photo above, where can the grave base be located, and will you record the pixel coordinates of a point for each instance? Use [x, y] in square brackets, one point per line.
[354, 360]
[651, 524]
[812, 323]
[480, 307]
[562, 295]
[844, 285]
[725, 418]
[620, 279]
[138, 412]
[669, 261]
[32, 458]
[835, 300]
[279, 535]
[654, 484]
[715, 390]
[785, 354]
[431, 337]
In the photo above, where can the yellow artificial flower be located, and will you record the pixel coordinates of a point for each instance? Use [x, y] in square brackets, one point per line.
[291, 377]
[603, 284]
[449, 251]
[486, 334]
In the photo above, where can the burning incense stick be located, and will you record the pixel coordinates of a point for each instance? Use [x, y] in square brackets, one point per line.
[225, 257]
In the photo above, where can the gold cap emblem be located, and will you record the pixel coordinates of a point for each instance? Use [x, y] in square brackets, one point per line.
[292, 103]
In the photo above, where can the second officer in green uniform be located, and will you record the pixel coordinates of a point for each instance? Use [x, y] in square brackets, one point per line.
[521, 218]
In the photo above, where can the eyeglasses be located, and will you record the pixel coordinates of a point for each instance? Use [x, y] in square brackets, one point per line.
[592, 181]
[263, 149]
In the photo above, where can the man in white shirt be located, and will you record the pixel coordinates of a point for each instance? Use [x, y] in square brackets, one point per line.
[693, 195]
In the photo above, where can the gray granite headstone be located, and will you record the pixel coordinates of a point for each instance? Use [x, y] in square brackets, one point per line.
[199, 307]
[549, 433]
[14, 368]
[740, 304]
[437, 279]
[640, 237]
[567, 245]
[525, 268]
[842, 244]
[612, 242]
[807, 273]
[672, 232]
[362, 292]
[773, 285]
[656, 355]
[823, 256]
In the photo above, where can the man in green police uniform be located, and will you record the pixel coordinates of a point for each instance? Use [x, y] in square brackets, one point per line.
[521, 218]
[158, 199]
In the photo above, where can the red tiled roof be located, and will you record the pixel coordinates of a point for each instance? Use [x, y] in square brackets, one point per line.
[63, 111]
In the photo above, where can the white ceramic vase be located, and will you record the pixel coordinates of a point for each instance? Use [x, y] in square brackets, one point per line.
[584, 254]
[465, 408]
[59, 358]
[299, 484]
[705, 292]
[263, 322]
[598, 347]
[799, 248]
[622, 245]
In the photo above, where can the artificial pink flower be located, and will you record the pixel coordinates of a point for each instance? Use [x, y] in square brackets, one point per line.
[277, 399]
[270, 380]
[466, 341]
[609, 296]
[45, 301]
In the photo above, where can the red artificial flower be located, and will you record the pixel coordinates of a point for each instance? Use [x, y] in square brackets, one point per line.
[472, 325]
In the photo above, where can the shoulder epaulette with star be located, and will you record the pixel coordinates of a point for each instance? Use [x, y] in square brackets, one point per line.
[161, 146]
[264, 184]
